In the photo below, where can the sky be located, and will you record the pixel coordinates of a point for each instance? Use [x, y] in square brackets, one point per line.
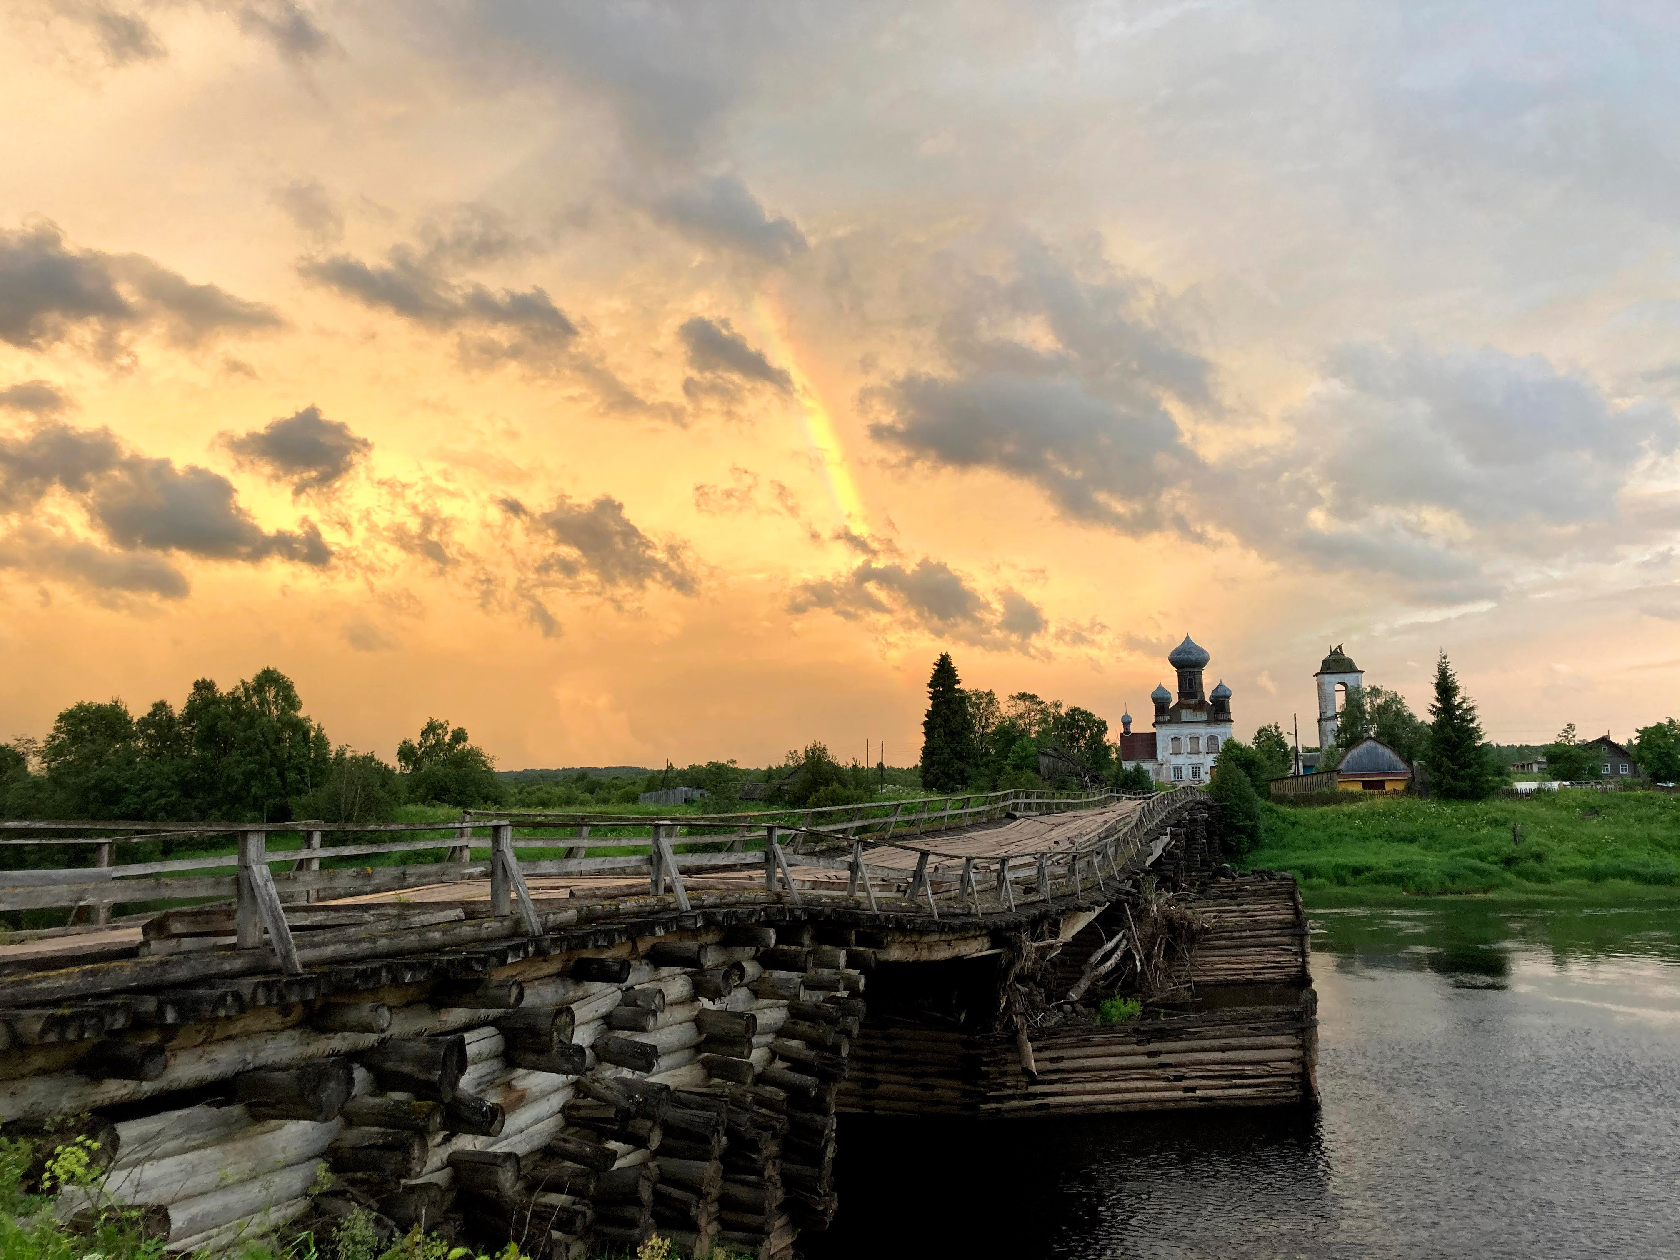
[643, 381]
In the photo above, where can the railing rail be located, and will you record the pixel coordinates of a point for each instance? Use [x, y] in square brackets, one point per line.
[834, 837]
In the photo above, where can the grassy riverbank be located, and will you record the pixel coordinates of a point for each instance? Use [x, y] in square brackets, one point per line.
[1609, 847]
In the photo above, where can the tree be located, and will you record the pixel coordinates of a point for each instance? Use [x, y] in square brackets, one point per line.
[1458, 768]
[984, 715]
[1239, 804]
[947, 734]
[1657, 749]
[358, 788]
[1353, 723]
[1135, 779]
[1082, 735]
[1394, 723]
[1567, 759]
[90, 761]
[442, 767]
[1272, 752]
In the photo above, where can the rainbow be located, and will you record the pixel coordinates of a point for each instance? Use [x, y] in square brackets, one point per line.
[820, 434]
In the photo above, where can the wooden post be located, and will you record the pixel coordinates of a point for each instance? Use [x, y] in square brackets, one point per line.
[461, 853]
[968, 884]
[668, 865]
[919, 880]
[505, 875]
[1006, 891]
[656, 859]
[771, 848]
[1043, 875]
[893, 821]
[579, 850]
[248, 922]
[311, 840]
[787, 875]
[102, 857]
[858, 873]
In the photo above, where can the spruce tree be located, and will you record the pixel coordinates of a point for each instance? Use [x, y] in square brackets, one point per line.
[1458, 769]
[947, 735]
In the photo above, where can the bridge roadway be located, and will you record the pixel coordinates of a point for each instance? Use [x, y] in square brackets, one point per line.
[603, 1058]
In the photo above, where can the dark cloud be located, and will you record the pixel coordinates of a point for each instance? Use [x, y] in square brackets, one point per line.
[741, 496]
[305, 449]
[417, 285]
[312, 211]
[536, 612]
[363, 636]
[721, 211]
[34, 550]
[602, 548]
[930, 596]
[285, 24]
[50, 292]
[714, 347]
[142, 504]
[42, 398]
[125, 37]
[1080, 410]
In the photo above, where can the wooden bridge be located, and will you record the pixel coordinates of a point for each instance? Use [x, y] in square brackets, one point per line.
[575, 1029]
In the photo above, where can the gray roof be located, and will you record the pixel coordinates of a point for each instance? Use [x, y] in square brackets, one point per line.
[1222, 692]
[1188, 655]
[1372, 756]
[1160, 693]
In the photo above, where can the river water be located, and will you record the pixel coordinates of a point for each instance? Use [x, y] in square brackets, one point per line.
[1495, 1083]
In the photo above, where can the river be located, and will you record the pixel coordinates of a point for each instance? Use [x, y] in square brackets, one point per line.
[1495, 1083]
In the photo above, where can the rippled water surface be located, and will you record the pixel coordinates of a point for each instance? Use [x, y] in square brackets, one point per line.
[1495, 1083]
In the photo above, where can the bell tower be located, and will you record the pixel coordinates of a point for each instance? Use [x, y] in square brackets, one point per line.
[1336, 673]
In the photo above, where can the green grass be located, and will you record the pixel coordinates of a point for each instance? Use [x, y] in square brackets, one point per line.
[1375, 850]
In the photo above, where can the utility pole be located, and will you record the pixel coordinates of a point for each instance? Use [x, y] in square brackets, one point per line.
[1296, 718]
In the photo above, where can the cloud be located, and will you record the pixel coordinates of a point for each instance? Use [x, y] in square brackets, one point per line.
[601, 548]
[419, 284]
[285, 24]
[716, 349]
[930, 596]
[721, 211]
[305, 448]
[362, 635]
[125, 37]
[32, 549]
[141, 504]
[1059, 375]
[41, 398]
[312, 211]
[50, 292]
[718, 500]
[1445, 468]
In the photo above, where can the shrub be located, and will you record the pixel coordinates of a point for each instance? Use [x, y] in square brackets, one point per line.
[1119, 1010]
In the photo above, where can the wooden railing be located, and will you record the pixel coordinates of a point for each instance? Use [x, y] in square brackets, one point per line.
[836, 837]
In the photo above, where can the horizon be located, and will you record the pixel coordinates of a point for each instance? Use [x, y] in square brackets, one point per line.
[676, 382]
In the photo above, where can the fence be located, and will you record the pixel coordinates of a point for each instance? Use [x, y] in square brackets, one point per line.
[837, 837]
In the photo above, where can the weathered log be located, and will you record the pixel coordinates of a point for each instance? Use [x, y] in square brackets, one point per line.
[245, 1199]
[807, 1180]
[316, 1091]
[736, 1068]
[591, 1155]
[481, 994]
[363, 1017]
[688, 1149]
[718, 982]
[754, 934]
[634, 1185]
[687, 954]
[704, 1176]
[566, 1060]
[546, 1172]
[538, 1027]
[828, 1036]
[821, 1064]
[785, 958]
[811, 1128]
[800, 934]
[430, 1066]
[124, 1060]
[648, 997]
[415, 1115]
[780, 985]
[728, 1023]
[491, 1173]
[611, 970]
[632, 1018]
[828, 957]
[798, 1084]
[467, 1114]
[388, 1163]
[639, 1056]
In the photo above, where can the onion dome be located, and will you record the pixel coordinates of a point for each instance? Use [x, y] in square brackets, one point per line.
[1188, 655]
[1160, 695]
[1222, 692]
[1338, 662]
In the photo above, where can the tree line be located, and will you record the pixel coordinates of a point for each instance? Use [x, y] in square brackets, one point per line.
[246, 754]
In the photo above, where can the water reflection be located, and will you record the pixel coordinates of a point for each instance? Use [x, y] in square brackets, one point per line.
[1496, 1083]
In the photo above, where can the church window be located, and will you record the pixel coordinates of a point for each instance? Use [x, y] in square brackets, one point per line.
[1195, 772]
[1178, 772]
[1213, 743]
[1195, 743]
[1178, 747]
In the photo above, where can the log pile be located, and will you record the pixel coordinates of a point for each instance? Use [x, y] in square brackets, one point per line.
[1255, 933]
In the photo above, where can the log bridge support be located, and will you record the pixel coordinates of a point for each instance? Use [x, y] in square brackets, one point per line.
[576, 1073]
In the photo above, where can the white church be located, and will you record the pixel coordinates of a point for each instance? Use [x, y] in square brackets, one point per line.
[1189, 728]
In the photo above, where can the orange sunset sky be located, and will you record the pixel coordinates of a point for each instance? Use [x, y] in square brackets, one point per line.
[638, 381]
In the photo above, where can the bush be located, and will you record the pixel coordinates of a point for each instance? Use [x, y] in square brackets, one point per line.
[1119, 1010]
[1239, 805]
